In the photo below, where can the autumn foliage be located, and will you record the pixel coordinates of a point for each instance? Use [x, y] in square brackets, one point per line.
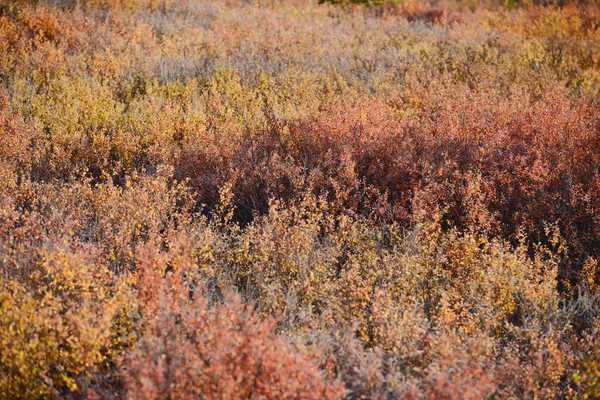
[302, 200]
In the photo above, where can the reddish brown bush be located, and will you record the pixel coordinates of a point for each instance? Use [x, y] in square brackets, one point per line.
[190, 350]
[508, 168]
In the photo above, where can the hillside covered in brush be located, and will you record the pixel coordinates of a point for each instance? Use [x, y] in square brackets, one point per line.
[289, 199]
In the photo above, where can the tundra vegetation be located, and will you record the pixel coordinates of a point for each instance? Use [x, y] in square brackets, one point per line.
[274, 199]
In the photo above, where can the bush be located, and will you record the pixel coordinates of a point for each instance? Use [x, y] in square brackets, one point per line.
[265, 199]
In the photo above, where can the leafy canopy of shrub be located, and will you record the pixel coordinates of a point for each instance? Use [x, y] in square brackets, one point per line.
[234, 199]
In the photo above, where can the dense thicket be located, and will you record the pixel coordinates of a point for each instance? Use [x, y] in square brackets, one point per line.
[285, 199]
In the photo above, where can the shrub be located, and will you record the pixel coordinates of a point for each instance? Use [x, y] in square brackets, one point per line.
[191, 350]
[288, 199]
